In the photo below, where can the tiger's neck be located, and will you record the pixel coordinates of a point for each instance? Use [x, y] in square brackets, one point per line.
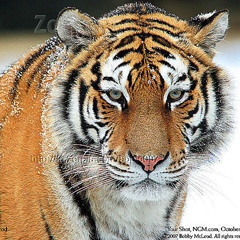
[118, 218]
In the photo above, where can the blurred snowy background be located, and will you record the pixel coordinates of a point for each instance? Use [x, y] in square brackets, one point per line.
[214, 198]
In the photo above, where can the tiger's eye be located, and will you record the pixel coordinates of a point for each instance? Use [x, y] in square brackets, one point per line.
[176, 94]
[115, 94]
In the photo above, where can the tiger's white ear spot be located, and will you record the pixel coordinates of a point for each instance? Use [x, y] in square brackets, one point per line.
[209, 29]
[77, 29]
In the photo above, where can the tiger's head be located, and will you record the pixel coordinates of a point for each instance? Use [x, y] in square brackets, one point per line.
[142, 93]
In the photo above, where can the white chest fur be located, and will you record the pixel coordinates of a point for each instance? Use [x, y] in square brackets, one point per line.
[118, 218]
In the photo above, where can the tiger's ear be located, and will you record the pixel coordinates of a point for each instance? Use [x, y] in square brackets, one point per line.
[77, 29]
[209, 29]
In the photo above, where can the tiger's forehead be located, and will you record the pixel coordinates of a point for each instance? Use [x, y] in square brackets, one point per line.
[137, 71]
[143, 59]
[144, 47]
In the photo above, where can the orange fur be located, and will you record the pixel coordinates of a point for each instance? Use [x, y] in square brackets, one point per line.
[23, 187]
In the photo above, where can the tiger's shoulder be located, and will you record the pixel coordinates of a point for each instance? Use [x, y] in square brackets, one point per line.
[30, 76]
[23, 89]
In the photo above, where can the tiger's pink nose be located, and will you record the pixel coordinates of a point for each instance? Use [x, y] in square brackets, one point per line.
[149, 162]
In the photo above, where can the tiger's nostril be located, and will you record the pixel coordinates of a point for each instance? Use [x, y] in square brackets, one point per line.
[149, 163]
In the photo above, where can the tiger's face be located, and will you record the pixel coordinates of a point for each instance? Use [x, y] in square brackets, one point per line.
[143, 101]
[145, 92]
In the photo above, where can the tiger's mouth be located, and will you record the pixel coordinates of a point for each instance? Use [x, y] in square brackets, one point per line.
[147, 181]
[147, 171]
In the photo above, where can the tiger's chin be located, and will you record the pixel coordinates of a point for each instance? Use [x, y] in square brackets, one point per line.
[146, 190]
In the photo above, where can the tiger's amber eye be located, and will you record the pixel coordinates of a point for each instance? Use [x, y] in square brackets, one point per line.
[115, 94]
[176, 94]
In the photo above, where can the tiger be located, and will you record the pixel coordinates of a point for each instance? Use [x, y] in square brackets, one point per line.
[102, 126]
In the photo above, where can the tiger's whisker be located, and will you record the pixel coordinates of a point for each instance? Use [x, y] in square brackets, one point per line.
[94, 185]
